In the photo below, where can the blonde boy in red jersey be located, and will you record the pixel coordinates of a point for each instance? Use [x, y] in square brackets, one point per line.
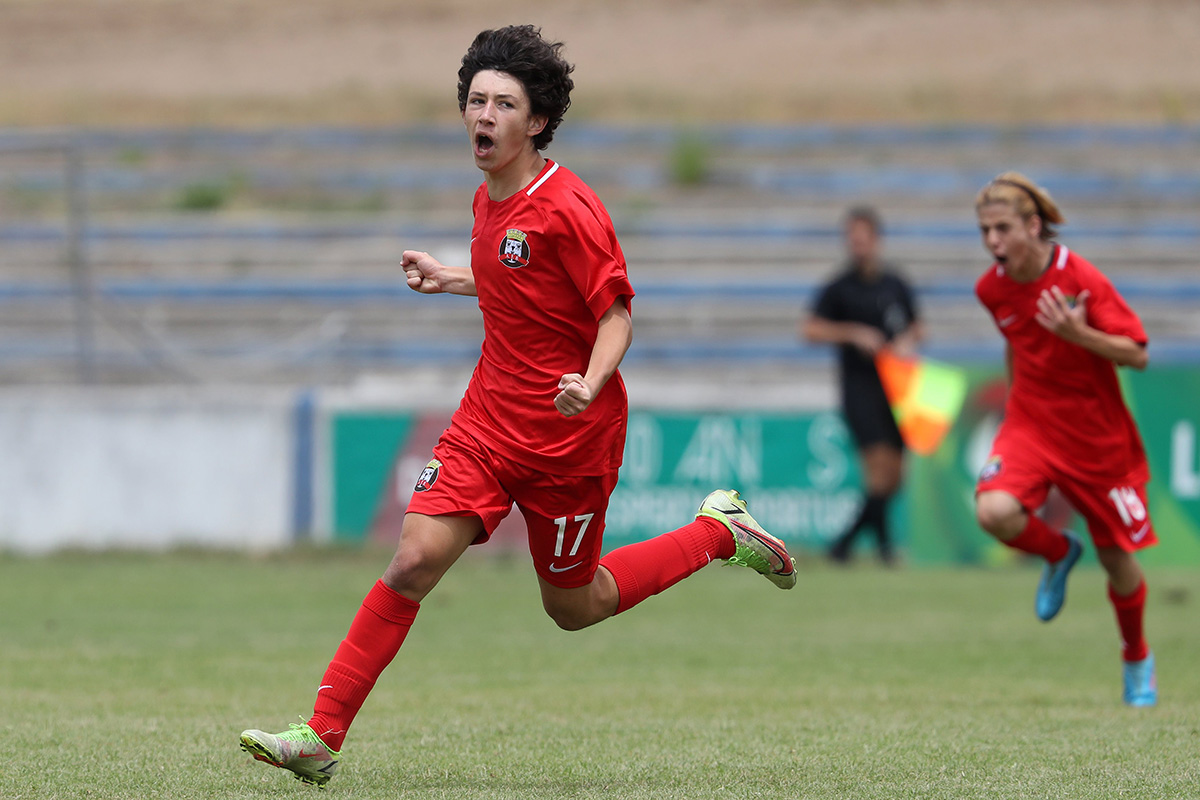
[542, 423]
[1065, 423]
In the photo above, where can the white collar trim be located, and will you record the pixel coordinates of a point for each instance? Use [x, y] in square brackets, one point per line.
[529, 192]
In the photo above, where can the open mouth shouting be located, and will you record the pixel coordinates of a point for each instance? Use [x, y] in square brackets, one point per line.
[484, 145]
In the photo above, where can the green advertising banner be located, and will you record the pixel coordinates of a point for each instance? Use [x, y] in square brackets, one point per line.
[941, 516]
[1166, 404]
[363, 447]
[799, 473]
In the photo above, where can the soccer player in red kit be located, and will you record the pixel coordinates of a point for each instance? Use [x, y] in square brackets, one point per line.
[1065, 423]
[542, 422]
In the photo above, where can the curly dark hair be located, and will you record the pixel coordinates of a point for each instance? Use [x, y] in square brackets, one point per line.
[520, 51]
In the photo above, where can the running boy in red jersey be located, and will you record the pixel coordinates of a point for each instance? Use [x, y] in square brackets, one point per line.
[1065, 423]
[542, 423]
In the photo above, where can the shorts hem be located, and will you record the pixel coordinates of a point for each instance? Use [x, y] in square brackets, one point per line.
[553, 578]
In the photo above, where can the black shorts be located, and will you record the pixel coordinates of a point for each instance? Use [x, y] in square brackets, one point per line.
[869, 416]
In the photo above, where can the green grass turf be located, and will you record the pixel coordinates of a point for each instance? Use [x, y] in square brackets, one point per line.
[127, 676]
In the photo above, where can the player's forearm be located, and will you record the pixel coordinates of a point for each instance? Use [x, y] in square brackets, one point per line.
[914, 334]
[1121, 350]
[613, 337]
[819, 330]
[907, 342]
[458, 280]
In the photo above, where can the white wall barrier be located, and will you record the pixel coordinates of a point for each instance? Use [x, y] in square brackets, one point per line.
[150, 468]
[227, 467]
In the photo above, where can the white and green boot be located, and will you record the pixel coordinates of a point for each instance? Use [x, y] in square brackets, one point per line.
[756, 549]
[299, 750]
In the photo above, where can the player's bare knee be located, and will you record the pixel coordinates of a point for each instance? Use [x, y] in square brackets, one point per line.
[991, 520]
[571, 621]
[412, 574]
[570, 618]
[998, 516]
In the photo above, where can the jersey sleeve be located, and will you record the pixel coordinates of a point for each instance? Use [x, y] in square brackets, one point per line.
[828, 304]
[1107, 310]
[985, 293]
[592, 257]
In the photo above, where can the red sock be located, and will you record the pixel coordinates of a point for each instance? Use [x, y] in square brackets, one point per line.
[1130, 611]
[649, 567]
[1040, 539]
[375, 636]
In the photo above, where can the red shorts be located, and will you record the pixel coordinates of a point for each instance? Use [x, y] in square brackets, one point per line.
[1116, 515]
[564, 515]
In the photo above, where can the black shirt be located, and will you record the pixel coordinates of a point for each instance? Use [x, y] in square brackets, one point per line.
[885, 302]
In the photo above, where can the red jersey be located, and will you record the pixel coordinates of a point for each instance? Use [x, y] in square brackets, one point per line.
[1066, 395]
[547, 265]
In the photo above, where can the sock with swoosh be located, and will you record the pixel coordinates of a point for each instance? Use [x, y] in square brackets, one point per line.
[647, 568]
[374, 638]
[1040, 539]
[1130, 610]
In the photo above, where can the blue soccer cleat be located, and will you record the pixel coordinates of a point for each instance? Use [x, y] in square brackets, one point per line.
[1052, 589]
[1141, 684]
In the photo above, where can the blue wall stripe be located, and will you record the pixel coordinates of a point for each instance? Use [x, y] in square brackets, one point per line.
[303, 451]
[1181, 288]
[597, 135]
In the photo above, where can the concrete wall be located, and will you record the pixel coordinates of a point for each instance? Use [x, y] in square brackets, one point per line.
[156, 467]
[146, 468]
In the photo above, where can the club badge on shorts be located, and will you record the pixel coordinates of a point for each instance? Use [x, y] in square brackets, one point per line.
[429, 476]
[514, 249]
[991, 469]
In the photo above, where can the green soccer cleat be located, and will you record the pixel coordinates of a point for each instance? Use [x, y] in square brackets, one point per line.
[299, 750]
[756, 549]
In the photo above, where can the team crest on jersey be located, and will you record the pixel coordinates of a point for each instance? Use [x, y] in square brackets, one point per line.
[429, 476]
[514, 249]
[1070, 298]
[991, 469]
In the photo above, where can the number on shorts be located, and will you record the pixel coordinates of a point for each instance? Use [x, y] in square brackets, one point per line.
[561, 522]
[1128, 504]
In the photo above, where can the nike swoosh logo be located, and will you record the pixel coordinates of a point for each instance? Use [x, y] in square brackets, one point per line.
[326, 686]
[564, 569]
[1009, 320]
[1141, 534]
[774, 545]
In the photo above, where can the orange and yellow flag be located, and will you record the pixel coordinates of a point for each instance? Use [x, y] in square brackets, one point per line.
[925, 396]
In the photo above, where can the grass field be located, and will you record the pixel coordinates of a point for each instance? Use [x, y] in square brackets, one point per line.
[128, 676]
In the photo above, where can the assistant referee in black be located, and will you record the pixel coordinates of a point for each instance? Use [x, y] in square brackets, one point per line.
[867, 306]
